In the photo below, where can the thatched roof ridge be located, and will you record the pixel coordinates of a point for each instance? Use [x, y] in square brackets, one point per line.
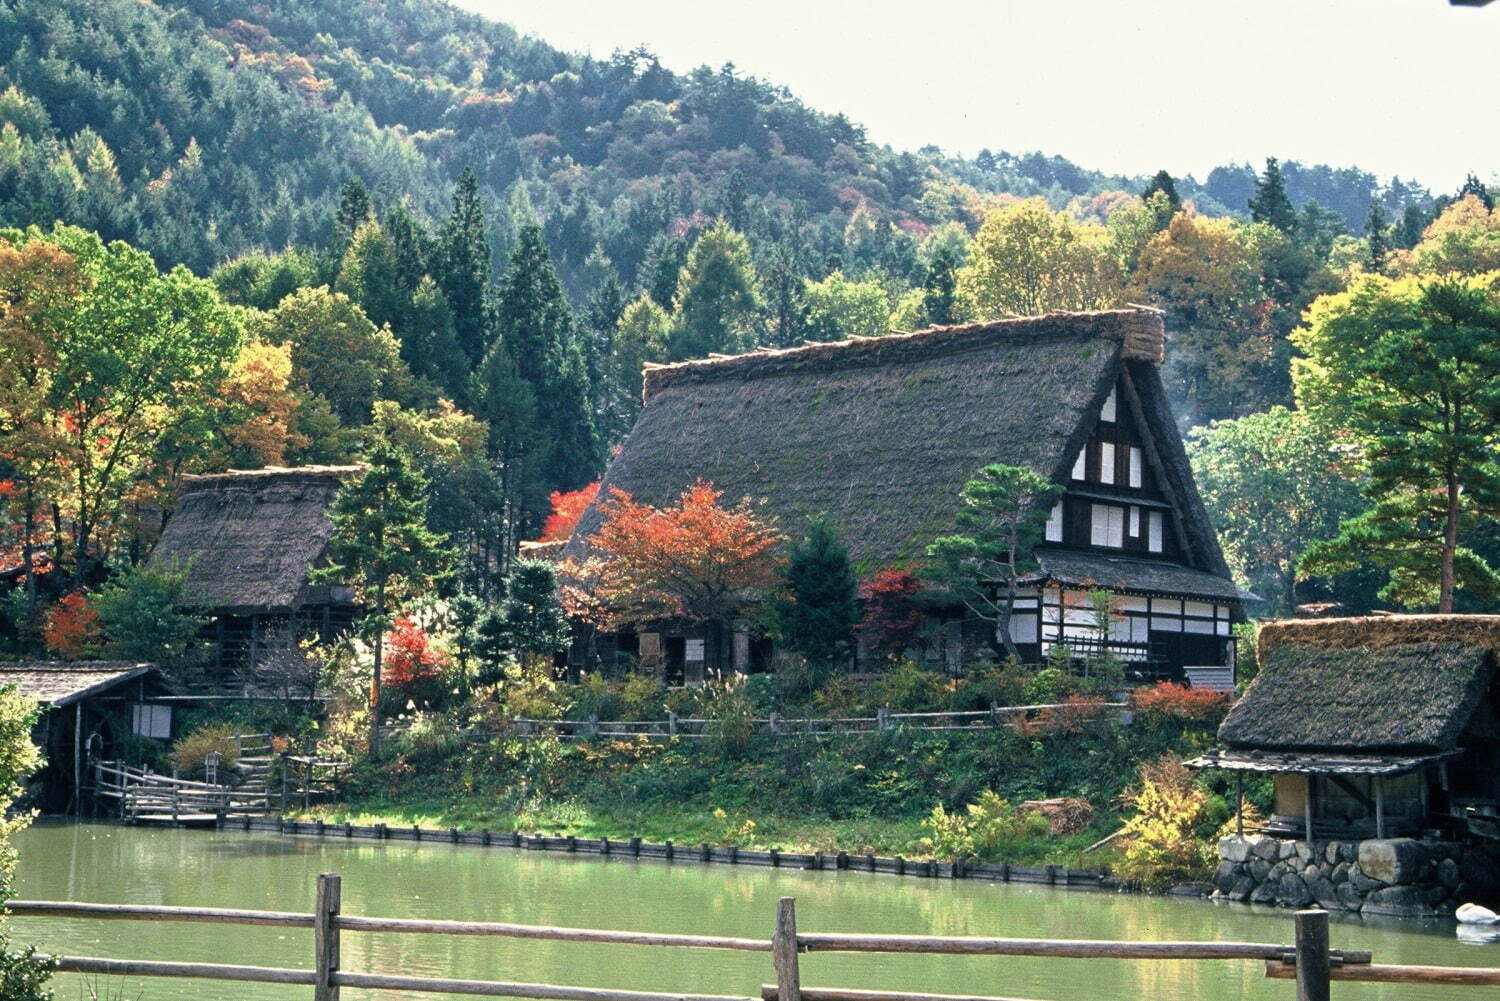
[58, 683]
[1379, 684]
[248, 538]
[1140, 332]
[880, 434]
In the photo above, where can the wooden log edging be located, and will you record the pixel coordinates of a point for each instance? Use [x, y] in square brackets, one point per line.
[1000, 872]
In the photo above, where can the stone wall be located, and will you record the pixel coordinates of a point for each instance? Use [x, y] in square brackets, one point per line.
[1394, 876]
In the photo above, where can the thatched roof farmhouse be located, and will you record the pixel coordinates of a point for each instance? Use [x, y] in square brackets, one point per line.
[881, 433]
[248, 540]
[1373, 727]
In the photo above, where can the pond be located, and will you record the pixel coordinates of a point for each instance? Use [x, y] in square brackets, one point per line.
[103, 863]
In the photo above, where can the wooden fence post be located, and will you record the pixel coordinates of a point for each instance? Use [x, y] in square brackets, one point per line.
[1312, 955]
[784, 951]
[326, 937]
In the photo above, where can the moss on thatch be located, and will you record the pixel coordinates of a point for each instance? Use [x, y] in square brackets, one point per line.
[1396, 684]
[248, 539]
[881, 433]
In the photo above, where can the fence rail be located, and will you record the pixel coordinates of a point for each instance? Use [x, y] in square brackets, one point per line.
[786, 726]
[1310, 960]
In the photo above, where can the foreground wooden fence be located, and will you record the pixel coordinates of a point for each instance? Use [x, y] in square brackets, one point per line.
[1309, 961]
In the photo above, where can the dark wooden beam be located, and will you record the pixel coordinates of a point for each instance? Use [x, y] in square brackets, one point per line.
[1158, 468]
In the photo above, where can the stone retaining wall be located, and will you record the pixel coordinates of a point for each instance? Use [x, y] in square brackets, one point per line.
[1394, 876]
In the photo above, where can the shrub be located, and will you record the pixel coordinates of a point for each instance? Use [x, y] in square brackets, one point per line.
[908, 688]
[594, 696]
[1162, 846]
[986, 830]
[190, 752]
[990, 684]
[1171, 701]
[530, 692]
[643, 695]
[1047, 686]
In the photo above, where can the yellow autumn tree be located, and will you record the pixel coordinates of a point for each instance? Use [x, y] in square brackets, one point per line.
[1162, 845]
[1465, 239]
[1027, 260]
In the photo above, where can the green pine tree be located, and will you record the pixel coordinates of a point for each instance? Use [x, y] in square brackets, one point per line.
[535, 626]
[464, 267]
[381, 547]
[816, 616]
[939, 291]
[536, 324]
[1378, 233]
[1270, 203]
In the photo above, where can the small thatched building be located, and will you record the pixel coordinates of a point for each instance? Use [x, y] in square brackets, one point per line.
[1373, 727]
[249, 540]
[880, 434]
[85, 705]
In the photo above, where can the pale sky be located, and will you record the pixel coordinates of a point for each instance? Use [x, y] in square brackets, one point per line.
[1408, 87]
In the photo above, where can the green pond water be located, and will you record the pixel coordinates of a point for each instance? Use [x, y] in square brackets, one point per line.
[67, 861]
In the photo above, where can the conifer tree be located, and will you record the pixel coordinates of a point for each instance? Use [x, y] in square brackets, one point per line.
[940, 290]
[1474, 186]
[354, 208]
[535, 625]
[1164, 183]
[464, 267]
[1378, 232]
[715, 295]
[381, 547]
[536, 324]
[816, 616]
[1270, 203]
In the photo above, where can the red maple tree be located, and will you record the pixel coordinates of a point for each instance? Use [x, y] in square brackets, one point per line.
[409, 655]
[695, 560]
[892, 613]
[567, 507]
[71, 631]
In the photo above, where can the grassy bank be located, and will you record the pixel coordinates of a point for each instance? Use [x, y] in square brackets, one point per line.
[858, 793]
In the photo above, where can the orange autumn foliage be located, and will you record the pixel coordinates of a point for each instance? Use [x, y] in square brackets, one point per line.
[695, 560]
[567, 507]
[71, 631]
[1169, 700]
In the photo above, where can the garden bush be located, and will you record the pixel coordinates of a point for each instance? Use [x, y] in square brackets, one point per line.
[191, 752]
[987, 829]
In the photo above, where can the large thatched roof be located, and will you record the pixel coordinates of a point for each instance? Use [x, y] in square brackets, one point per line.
[881, 433]
[54, 683]
[249, 538]
[1390, 685]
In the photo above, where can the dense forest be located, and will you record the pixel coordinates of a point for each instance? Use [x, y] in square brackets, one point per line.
[406, 223]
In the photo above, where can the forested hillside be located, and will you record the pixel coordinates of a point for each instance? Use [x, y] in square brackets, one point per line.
[434, 232]
[202, 130]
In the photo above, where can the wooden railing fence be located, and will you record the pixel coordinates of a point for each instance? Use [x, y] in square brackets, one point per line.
[139, 793]
[1310, 961]
[776, 725]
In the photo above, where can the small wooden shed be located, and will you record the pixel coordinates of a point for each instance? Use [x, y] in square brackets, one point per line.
[1373, 727]
[84, 704]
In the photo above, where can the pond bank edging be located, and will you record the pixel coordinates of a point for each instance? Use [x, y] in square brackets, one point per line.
[1003, 872]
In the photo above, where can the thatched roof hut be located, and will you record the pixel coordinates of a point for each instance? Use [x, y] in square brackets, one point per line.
[1385, 697]
[249, 537]
[55, 684]
[880, 433]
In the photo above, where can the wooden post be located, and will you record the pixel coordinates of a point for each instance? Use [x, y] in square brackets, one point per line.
[784, 951]
[78, 757]
[326, 937]
[1380, 806]
[1239, 803]
[1307, 806]
[1312, 955]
